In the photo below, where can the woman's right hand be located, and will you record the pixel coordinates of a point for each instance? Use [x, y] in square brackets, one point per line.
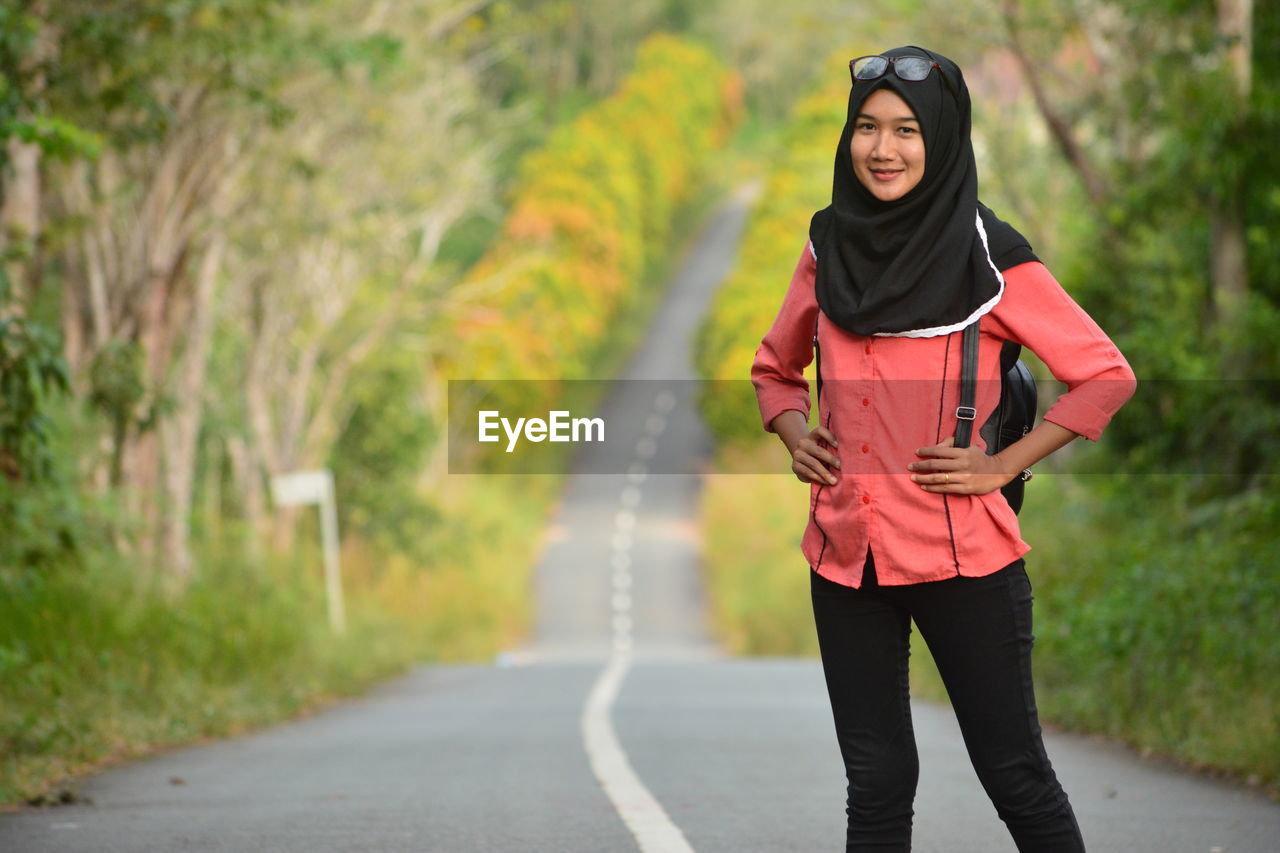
[809, 459]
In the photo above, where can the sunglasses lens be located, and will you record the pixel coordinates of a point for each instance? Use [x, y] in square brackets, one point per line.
[869, 67]
[910, 68]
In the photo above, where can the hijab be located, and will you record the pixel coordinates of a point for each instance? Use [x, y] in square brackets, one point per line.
[928, 263]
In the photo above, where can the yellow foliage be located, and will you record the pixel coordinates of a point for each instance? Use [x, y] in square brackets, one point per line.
[590, 212]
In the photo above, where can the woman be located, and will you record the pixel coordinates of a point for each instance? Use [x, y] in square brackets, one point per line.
[903, 525]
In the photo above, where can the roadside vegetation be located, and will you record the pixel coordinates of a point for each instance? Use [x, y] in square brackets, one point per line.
[467, 202]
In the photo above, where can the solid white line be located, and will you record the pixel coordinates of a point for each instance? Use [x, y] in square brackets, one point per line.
[643, 815]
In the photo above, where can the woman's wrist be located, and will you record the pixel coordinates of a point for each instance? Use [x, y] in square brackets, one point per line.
[1032, 447]
[791, 426]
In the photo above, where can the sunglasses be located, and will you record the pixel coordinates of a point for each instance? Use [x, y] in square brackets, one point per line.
[910, 68]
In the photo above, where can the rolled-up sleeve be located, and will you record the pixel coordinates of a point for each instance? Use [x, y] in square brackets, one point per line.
[1037, 313]
[787, 349]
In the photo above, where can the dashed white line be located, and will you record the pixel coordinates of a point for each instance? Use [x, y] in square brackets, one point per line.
[641, 812]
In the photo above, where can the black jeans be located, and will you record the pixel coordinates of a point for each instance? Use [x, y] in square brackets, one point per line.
[979, 632]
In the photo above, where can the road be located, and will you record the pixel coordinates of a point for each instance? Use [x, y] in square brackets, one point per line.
[619, 726]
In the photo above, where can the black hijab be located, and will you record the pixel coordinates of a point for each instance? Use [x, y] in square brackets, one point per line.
[927, 263]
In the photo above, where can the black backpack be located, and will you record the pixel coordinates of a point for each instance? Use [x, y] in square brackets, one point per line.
[1014, 414]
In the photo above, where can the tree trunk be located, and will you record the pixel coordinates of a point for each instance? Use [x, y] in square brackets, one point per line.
[20, 214]
[181, 432]
[146, 212]
[1230, 262]
[20, 186]
[246, 473]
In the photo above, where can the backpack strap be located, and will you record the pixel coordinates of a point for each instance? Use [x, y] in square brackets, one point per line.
[817, 355]
[965, 412]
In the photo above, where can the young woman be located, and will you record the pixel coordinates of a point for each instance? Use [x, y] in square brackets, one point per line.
[903, 525]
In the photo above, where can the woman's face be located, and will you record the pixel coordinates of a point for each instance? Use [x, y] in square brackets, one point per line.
[887, 146]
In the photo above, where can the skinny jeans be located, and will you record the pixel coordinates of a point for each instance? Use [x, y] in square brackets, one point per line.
[979, 632]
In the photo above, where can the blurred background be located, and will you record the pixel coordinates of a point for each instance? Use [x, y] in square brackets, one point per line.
[242, 238]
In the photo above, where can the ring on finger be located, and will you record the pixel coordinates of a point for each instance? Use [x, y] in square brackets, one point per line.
[946, 477]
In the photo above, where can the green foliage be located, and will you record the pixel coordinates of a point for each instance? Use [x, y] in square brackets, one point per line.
[99, 662]
[111, 56]
[1184, 155]
[379, 454]
[55, 137]
[50, 525]
[92, 660]
[31, 371]
[1161, 630]
[115, 380]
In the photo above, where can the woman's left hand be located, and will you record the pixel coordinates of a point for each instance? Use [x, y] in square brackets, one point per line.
[959, 471]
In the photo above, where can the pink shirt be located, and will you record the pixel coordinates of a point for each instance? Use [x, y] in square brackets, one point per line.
[883, 397]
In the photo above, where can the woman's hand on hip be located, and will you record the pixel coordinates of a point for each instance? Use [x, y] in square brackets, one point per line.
[959, 471]
[809, 458]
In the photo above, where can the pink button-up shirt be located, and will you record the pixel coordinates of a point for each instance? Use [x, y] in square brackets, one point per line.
[883, 397]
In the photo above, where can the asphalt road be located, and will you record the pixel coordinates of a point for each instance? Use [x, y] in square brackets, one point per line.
[619, 726]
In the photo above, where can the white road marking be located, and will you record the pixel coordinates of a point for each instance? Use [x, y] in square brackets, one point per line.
[665, 401]
[643, 815]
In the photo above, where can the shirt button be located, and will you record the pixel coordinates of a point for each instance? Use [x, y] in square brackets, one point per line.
[866, 448]
[866, 401]
[866, 499]
[868, 349]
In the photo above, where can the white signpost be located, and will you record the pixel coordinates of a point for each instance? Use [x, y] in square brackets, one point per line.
[316, 487]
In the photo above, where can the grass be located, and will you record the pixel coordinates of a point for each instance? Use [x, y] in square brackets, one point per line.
[98, 663]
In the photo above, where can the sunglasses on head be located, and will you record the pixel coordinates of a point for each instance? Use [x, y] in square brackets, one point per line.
[910, 68]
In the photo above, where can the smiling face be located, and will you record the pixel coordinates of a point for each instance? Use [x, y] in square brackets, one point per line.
[887, 146]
